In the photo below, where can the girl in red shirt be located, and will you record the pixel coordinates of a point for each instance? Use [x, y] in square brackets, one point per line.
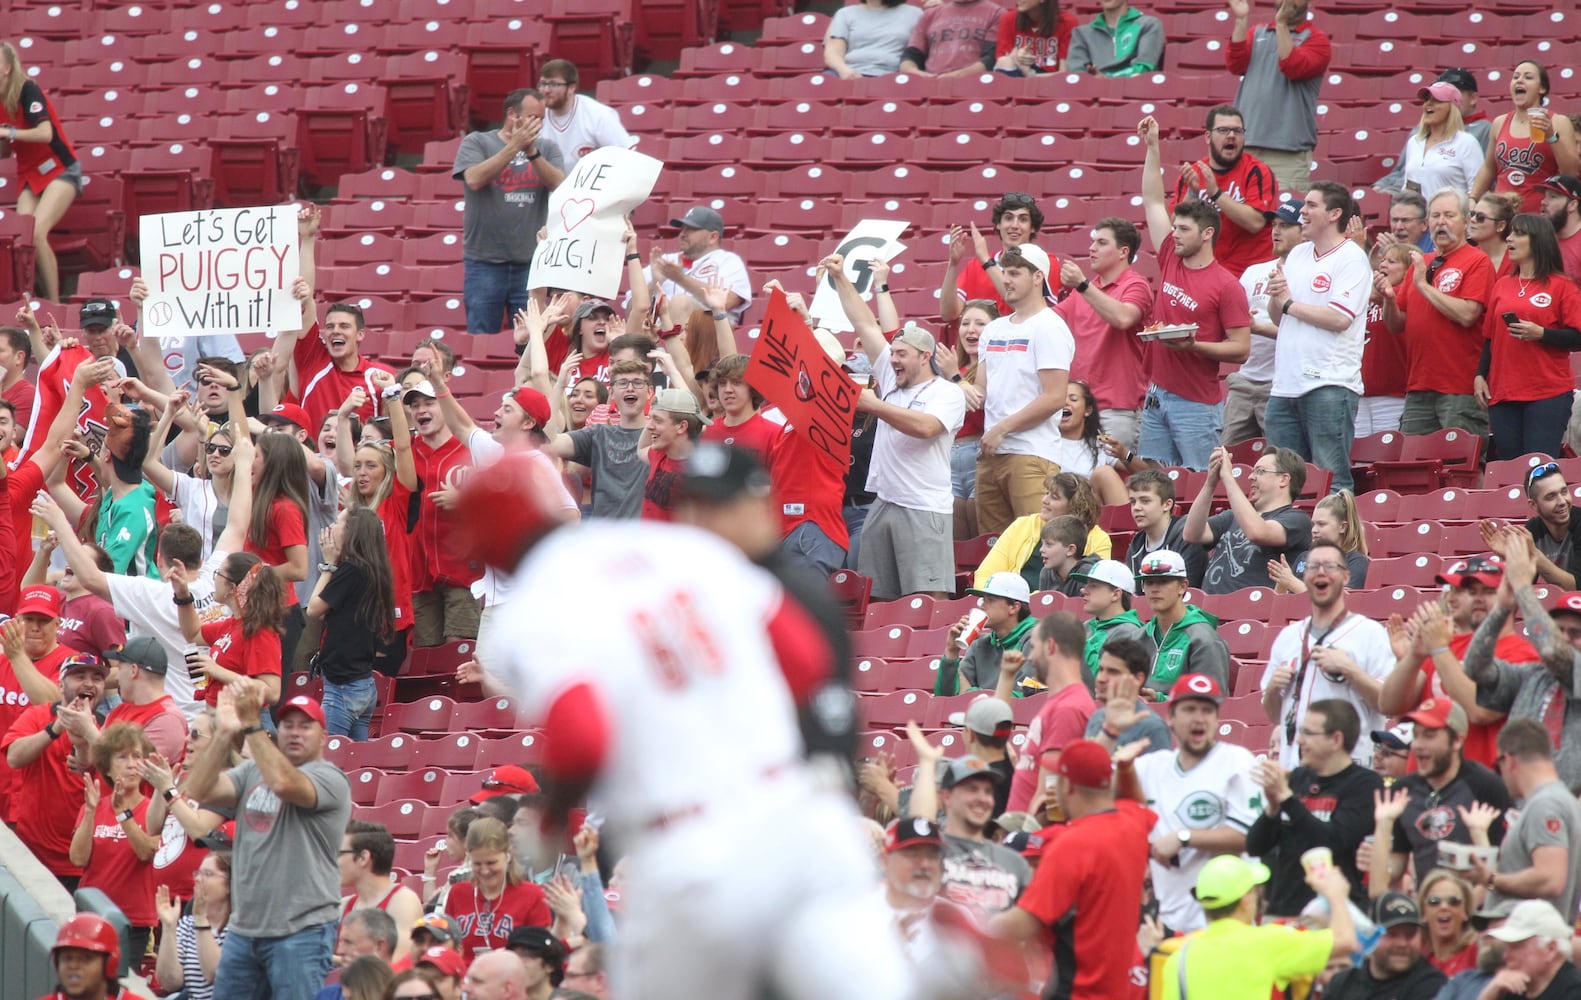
[48, 174]
[1033, 38]
[384, 477]
[277, 532]
[247, 642]
[1525, 376]
[115, 851]
[1445, 903]
[1529, 144]
[497, 900]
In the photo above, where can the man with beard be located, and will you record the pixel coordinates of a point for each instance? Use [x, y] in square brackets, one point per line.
[1238, 184]
[1246, 391]
[1104, 312]
[1183, 413]
[1396, 969]
[1430, 807]
[1549, 690]
[913, 875]
[1553, 526]
[1326, 802]
[1439, 308]
[1538, 946]
[1469, 985]
[1203, 795]
[574, 121]
[1331, 653]
[1562, 205]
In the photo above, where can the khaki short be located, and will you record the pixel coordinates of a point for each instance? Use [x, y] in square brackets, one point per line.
[444, 613]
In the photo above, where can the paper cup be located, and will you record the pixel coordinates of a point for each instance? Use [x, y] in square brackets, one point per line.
[1317, 861]
[974, 626]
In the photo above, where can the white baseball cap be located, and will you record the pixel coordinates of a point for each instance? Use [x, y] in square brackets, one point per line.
[1533, 918]
[1162, 562]
[1111, 571]
[1034, 255]
[1010, 586]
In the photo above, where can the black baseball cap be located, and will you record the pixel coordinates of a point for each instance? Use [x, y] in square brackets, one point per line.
[1562, 184]
[1462, 80]
[719, 473]
[96, 313]
[144, 651]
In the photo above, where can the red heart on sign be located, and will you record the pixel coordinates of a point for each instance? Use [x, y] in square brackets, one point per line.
[575, 212]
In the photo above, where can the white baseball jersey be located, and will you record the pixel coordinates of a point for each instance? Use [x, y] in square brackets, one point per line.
[589, 125]
[1219, 791]
[1307, 357]
[719, 264]
[1366, 641]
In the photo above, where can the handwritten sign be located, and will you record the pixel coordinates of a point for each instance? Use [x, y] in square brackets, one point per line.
[220, 270]
[870, 240]
[584, 249]
[792, 371]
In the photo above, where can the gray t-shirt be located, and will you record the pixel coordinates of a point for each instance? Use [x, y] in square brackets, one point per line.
[1527, 691]
[874, 39]
[618, 473]
[982, 876]
[284, 876]
[1550, 816]
[1236, 562]
[500, 222]
[1148, 726]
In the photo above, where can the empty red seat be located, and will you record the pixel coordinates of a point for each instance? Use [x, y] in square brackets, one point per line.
[431, 715]
[457, 751]
[498, 715]
[896, 708]
[402, 817]
[426, 784]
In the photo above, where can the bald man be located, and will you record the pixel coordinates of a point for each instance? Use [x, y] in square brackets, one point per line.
[496, 975]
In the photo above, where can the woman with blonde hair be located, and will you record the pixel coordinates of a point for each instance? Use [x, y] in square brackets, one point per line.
[1335, 521]
[49, 178]
[1383, 360]
[1441, 153]
[497, 890]
[1444, 901]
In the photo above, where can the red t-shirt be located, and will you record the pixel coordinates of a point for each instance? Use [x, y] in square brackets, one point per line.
[1569, 252]
[595, 366]
[12, 704]
[1061, 720]
[21, 486]
[114, 868]
[489, 926]
[809, 486]
[21, 397]
[1049, 49]
[287, 526]
[48, 797]
[664, 480]
[393, 512]
[1090, 892]
[1210, 297]
[1251, 182]
[1383, 361]
[324, 386]
[1527, 370]
[89, 624]
[1110, 360]
[1481, 737]
[251, 656]
[755, 434]
[435, 561]
[1442, 355]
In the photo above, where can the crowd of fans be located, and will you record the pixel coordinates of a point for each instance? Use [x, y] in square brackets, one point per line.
[1412, 827]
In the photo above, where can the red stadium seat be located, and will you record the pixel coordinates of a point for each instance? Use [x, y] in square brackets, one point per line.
[1405, 539]
[851, 589]
[498, 715]
[1381, 603]
[431, 715]
[421, 783]
[456, 751]
[916, 674]
[364, 783]
[1509, 503]
[1379, 505]
[1418, 570]
[459, 786]
[888, 643]
[1460, 540]
[402, 817]
[1512, 471]
[341, 751]
[1441, 505]
[896, 708]
[947, 613]
[524, 748]
[1429, 461]
[442, 660]
[390, 753]
[1248, 640]
[867, 675]
[915, 612]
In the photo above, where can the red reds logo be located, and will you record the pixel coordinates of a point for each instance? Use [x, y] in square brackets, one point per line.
[1448, 279]
[1321, 283]
[1199, 684]
[36, 107]
[1552, 823]
[1542, 300]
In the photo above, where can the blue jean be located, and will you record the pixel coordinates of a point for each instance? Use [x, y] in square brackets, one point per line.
[278, 968]
[1520, 428]
[855, 517]
[1319, 426]
[492, 293]
[349, 707]
[1179, 431]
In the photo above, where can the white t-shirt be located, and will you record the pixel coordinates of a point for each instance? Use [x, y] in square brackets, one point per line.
[1013, 353]
[908, 471]
[1219, 791]
[1307, 357]
[589, 125]
[1259, 364]
[1075, 456]
[200, 507]
[1453, 164]
[1366, 641]
[716, 263]
[148, 606]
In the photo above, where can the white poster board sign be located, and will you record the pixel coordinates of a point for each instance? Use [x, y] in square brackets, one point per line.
[220, 270]
[871, 239]
[584, 249]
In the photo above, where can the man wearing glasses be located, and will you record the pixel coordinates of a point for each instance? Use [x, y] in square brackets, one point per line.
[1439, 308]
[1553, 526]
[1261, 524]
[1238, 184]
[1332, 653]
[574, 122]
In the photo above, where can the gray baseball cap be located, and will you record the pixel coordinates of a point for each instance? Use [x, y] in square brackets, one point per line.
[701, 217]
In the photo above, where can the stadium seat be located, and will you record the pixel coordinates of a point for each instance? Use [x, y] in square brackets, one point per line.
[457, 751]
[915, 612]
[1509, 503]
[1248, 640]
[1378, 506]
[491, 715]
[431, 715]
[925, 642]
[915, 674]
[1404, 539]
[1512, 471]
[1246, 709]
[341, 751]
[459, 786]
[1385, 601]
[867, 675]
[524, 748]
[895, 709]
[443, 660]
[364, 783]
[1429, 461]
[852, 590]
[1418, 570]
[1441, 505]
[1460, 540]
[887, 643]
[425, 783]
[1365, 452]
[947, 613]
[389, 753]
[402, 817]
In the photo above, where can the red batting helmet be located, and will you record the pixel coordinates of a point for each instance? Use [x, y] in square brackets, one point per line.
[91, 932]
[506, 507]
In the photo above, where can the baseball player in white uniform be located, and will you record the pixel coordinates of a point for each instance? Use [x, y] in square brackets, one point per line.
[674, 702]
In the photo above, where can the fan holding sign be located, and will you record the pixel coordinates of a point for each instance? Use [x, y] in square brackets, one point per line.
[584, 248]
[221, 270]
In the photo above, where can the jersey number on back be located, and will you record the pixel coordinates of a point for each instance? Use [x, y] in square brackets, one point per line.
[678, 643]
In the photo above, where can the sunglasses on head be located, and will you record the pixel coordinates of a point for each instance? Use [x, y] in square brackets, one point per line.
[1539, 471]
[1017, 198]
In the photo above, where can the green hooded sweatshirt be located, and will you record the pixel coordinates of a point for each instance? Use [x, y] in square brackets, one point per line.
[1193, 646]
[980, 666]
[1100, 632]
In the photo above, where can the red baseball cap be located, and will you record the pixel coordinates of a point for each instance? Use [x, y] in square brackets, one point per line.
[1486, 570]
[1196, 686]
[507, 780]
[41, 599]
[1086, 763]
[1569, 602]
[308, 707]
[909, 831]
[447, 960]
[1439, 713]
[535, 403]
[289, 413]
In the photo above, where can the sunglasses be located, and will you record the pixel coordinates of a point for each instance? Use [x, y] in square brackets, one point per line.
[1444, 901]
[1478, 216]
[1539, 471]
[222, 450]
[1017, 198]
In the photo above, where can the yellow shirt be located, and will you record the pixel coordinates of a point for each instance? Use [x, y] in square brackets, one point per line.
[1230, 960]
[1017, 543]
